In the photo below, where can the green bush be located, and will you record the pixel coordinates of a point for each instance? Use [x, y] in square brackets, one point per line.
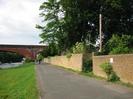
[78, 48]
[113, 77]
[40, 56]
[50, 50]
[87, 65]
[28, 60]
[108, 69]
[68, 54]
[9, 57]
[119, 44]
[120, 50]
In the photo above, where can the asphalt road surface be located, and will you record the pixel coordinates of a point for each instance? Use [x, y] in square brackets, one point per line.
[58, 83]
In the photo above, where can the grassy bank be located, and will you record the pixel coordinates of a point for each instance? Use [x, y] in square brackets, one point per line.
[18, 83]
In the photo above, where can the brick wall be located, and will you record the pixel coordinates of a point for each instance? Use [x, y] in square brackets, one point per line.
[74, 62]
[122, 65]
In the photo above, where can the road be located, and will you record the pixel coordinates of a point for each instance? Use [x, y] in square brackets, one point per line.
[58, 83]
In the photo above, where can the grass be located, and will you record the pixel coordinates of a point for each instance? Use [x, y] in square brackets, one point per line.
[18, 83]
[124, 84]
[90, 74]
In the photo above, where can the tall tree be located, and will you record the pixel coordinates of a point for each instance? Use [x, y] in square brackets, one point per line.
[71, 21]
[117, 17]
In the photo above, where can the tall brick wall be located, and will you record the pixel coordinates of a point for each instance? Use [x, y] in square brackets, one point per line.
[74, 62]
[122, 65]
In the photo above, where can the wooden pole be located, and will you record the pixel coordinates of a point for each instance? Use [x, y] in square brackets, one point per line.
[100, 31]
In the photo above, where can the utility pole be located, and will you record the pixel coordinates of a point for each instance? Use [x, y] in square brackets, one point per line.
[100, 31]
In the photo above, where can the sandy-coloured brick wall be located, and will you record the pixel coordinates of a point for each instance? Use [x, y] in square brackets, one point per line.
[122, 65]
[74, 62]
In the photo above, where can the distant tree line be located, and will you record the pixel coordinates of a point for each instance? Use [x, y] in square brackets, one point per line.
[9, 57]
[66, 22]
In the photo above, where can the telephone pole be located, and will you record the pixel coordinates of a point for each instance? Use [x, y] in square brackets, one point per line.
[100, 31]
[100, 27]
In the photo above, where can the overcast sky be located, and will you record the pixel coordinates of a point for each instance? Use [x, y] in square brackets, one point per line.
[17, 21]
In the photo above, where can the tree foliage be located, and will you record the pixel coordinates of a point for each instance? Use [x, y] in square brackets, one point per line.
[69, 21]
[118, 18]
[7, 57]
[78, 48]
[120, 44]
[51, 50]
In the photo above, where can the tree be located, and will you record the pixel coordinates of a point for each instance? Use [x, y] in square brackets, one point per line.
[71, 28]
[71, 21]
[77, 17]
[52, 32]
[7, 57]
[117, 18]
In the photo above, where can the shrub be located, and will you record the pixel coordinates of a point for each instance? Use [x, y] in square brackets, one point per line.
[78, 48]
[87, 65]
[120, 50]
[120, 44]
[113, 77]
[50, 50]
[8, 57]
[87, 62]
[68, 54]
[108, 69]
[27, 60]
[39, 56]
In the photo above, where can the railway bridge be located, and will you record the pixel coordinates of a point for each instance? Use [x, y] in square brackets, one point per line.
[28, 51]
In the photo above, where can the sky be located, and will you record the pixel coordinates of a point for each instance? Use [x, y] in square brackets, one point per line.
[18, 19]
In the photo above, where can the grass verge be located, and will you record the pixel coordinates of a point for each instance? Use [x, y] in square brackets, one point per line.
[18, 83]
[90, 74]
